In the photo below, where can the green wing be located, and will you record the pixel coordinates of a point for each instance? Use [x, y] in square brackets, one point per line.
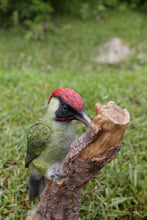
[38, 137]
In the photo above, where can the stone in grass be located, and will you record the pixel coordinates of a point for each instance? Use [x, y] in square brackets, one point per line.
[113, 52]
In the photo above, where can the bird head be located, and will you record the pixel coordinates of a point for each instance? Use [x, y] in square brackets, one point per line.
[67, 104]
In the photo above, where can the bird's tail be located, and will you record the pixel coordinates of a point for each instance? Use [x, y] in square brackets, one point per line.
[36, 185]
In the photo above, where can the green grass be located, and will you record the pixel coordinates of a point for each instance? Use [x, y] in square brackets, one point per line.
[31, 70]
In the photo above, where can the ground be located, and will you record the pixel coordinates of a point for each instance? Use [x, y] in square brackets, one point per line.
[30, 70]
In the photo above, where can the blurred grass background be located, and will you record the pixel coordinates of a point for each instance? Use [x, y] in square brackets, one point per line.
[31, 69]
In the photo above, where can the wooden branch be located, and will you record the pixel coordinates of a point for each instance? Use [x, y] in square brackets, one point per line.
[84, 161]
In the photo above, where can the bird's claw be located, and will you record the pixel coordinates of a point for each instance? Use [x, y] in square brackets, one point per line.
[57, 175]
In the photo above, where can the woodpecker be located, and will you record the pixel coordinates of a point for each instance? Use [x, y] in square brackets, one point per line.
[49, 138]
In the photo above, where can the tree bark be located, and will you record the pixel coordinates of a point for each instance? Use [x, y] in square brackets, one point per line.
[87, 156]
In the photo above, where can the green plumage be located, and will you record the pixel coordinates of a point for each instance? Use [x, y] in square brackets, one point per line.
[38, 138]
[48, 142]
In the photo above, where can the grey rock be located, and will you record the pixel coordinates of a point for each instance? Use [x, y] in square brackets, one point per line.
[113, 52]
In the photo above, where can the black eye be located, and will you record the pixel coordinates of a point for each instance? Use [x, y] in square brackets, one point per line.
[65, 108]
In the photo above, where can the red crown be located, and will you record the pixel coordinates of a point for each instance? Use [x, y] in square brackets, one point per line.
[70, 96]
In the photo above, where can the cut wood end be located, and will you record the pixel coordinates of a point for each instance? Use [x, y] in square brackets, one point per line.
[113, 113]
[110, 122]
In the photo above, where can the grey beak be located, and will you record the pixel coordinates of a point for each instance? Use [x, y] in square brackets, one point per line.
[85, 119]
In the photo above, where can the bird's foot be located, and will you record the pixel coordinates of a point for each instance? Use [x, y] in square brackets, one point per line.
[57, 174]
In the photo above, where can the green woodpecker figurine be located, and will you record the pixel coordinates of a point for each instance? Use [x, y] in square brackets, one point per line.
[49, 138]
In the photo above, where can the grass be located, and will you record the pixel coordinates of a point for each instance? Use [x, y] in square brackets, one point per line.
[31, 70]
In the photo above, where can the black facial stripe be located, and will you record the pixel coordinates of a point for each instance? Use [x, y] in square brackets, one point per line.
[66, 112]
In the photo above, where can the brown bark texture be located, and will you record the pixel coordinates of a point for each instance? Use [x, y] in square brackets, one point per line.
[87, 156]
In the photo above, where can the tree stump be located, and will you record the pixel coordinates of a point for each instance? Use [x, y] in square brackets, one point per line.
[87, 156]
